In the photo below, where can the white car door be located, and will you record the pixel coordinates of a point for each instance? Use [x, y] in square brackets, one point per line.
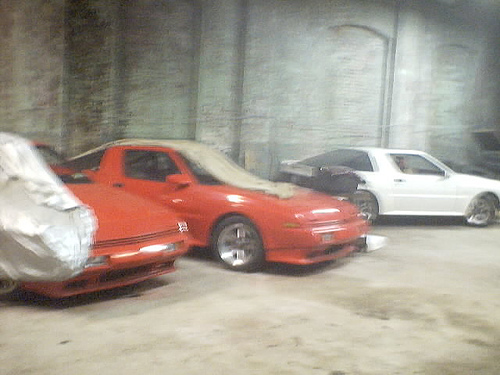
[421, 187]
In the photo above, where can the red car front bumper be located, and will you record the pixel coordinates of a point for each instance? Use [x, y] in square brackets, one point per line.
[121, 269]
[320, 244]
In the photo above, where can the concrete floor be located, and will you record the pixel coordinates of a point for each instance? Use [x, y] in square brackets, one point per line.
[426, 303]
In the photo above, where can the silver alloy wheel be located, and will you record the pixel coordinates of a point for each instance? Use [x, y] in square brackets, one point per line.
[7, 286]
[481, 212]
[238, 244]
[367, 204]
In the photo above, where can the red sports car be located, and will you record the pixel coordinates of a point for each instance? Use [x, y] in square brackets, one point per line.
[136, 239]
[246, 220]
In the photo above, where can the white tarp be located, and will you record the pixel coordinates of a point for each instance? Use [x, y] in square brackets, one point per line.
[45, 231]
[214, 162]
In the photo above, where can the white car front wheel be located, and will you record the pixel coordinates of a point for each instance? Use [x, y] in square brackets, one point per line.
[8, 286]
[367, 204]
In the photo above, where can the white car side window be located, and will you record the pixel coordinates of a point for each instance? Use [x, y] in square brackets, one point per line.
[416, 164]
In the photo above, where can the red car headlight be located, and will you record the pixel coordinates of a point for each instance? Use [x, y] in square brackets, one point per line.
[97, 261]
[168, 248]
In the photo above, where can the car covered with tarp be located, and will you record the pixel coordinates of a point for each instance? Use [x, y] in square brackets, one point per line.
[123, 239]
[45, 231]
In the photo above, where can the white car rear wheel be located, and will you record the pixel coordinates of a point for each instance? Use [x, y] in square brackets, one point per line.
[481, 212]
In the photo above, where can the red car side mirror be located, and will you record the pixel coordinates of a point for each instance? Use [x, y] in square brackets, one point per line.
[181, 180]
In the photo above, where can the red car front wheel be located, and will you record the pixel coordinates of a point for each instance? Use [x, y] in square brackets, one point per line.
[237, 244]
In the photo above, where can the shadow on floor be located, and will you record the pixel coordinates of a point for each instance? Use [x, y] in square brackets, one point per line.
[204, 255]
[304, 270]
[430, 221]
[27, 298]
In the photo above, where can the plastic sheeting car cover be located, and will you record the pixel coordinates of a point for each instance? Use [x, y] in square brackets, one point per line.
[214, 162]
[45, 231]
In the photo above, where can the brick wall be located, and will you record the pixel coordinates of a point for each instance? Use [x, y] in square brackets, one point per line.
[31, 68]
[263, 80]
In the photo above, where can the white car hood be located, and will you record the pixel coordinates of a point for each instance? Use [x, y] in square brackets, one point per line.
[45, 231]
[476, 182]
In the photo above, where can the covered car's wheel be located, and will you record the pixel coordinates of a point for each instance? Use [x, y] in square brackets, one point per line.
[367, 204]
[8, 286]
[236, 242]
[481, 211]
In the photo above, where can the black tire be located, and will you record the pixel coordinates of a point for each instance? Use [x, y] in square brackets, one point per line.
[237, 244]
[7, 286]
[367, 204]
[481, 212]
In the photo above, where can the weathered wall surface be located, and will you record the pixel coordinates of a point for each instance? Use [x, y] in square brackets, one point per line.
[436, 67]
[222, 63]
[91, 82]
[159, 51]
[343, 73]
[263, 80]
[315, 77]
[31, 68]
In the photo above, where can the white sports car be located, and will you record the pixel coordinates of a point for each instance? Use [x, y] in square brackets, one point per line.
[409, 182]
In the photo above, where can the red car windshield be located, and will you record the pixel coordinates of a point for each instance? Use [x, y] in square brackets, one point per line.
[204, 177]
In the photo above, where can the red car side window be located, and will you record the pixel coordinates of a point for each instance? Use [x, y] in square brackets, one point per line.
[148, 165]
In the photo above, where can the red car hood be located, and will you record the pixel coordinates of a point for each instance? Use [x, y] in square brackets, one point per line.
[306, 204]
[120, 214]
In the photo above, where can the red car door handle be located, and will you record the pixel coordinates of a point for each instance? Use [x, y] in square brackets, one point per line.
[118, 184]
